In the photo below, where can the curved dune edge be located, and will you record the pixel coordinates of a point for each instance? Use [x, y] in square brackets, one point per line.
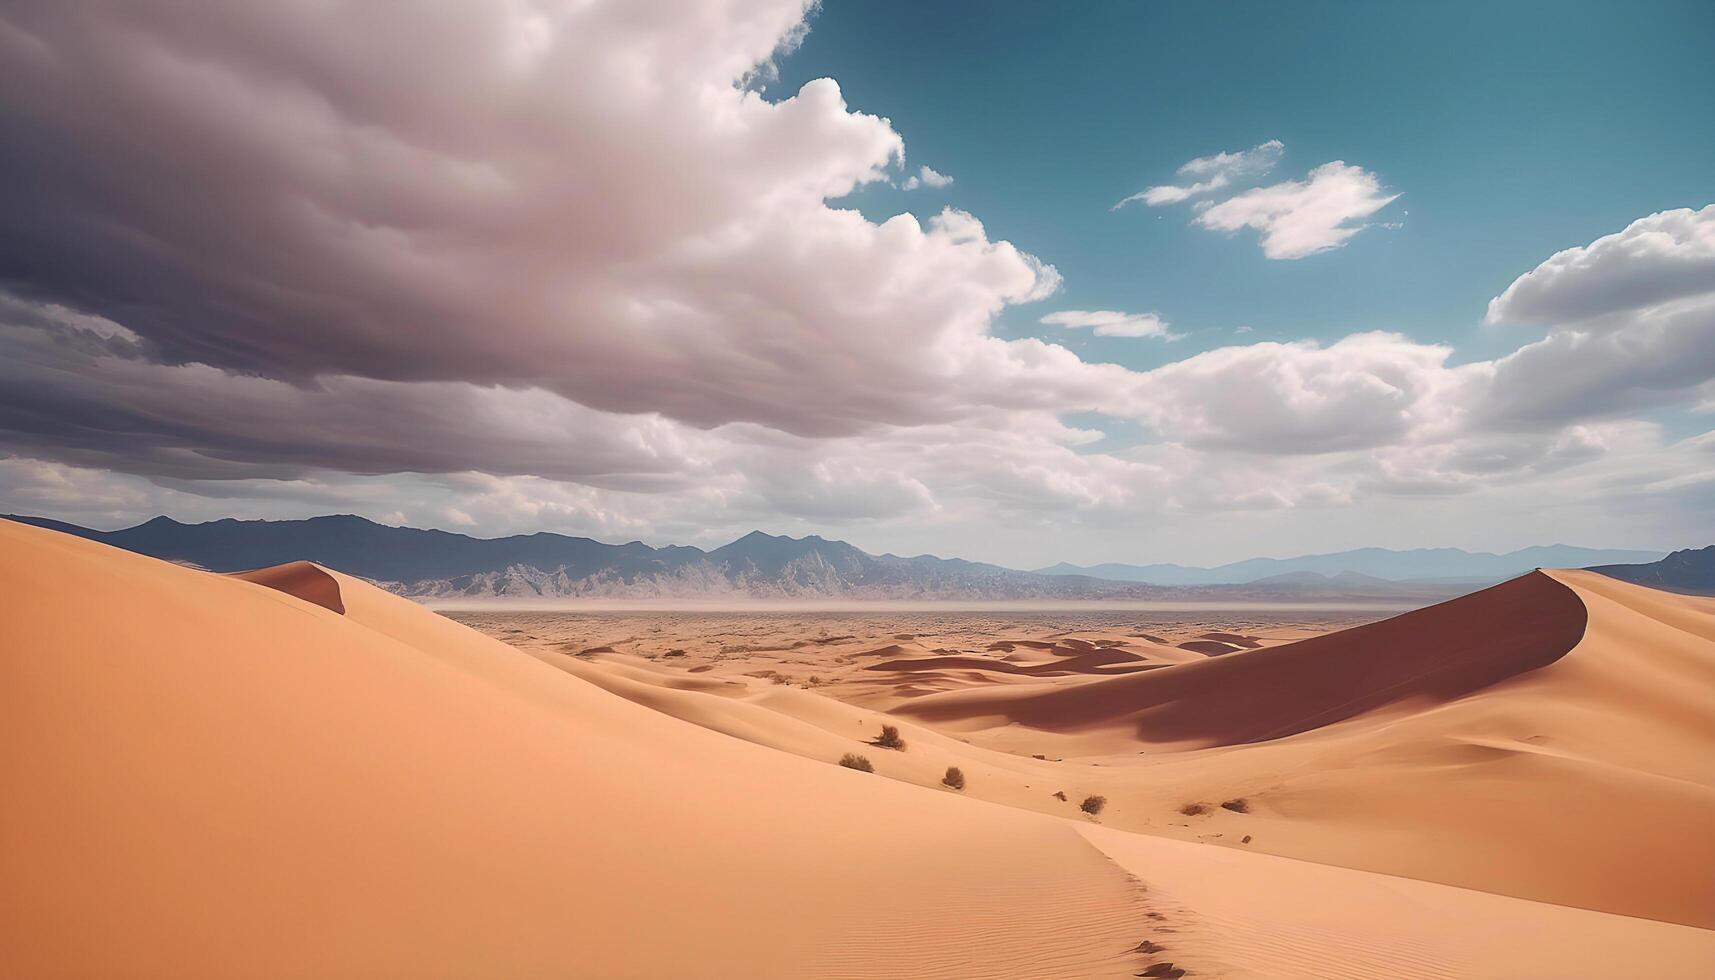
[299, 579]
[1436, 654]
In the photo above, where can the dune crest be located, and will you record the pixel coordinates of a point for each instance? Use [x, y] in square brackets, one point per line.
[1249, 695]
[300, 579]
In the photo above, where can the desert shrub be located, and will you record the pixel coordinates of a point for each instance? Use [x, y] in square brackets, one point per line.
[889, 738]
[1061, 796]
[675, 652]
[954, 778]
[1194, 809]
[851, 760]
[1092, 805]
[1237, 806]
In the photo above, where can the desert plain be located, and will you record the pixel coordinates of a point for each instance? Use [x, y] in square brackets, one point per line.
[292, 773]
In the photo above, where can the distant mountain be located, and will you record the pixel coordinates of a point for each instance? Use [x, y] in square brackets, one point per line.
[1691, 571]
[445, 565]
[1450, 565]
[441, 564]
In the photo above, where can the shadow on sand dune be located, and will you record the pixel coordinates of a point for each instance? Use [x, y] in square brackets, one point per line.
[1435, 654]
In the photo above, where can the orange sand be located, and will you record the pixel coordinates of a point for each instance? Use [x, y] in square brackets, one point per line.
[208, 778]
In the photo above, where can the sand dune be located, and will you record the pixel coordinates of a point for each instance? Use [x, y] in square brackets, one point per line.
[1230, 914]
[1107, 660]
[1438, 653]
[302, 579]
[1582, 782]
[212, 779]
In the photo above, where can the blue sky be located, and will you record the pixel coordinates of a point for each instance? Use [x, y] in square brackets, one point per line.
[1510, 130]
[1434, 274]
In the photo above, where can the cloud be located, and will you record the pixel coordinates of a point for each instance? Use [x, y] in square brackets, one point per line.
[591, 204]
[1656, 260]
[925, 177]
[576, 272]
[1302, 217]
[1630, 322]
[1111, 323]
[1361, 392]
[1212, 174]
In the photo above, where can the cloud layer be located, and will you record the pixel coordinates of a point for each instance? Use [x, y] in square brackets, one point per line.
[511, 266]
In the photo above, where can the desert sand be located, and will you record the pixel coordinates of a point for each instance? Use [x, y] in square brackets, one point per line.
[291, 773]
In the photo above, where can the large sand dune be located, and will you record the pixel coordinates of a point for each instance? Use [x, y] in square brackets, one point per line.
[214, 777]
[1434, 654]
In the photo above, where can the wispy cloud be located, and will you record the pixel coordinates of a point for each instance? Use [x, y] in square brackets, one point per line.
[1209, 174]
[1112, 323]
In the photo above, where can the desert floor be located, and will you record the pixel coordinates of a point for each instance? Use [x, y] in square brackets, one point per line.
[291, 773]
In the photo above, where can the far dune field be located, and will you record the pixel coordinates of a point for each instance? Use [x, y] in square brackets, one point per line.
[292, 773]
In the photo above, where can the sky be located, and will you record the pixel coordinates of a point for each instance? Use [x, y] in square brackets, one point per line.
[1015, 282]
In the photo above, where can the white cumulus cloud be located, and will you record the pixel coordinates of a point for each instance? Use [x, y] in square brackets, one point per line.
[1656, 260]
[926, 177]
[1297, 218]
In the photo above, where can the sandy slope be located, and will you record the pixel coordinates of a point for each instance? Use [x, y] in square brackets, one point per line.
[214, 779]
[1439, 653]
[1569, 763]
[1235, 915]
[211, 777]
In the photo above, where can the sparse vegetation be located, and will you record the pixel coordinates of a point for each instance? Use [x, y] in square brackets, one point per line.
[1093, 805]
[953, 778]
[889, 739]
[675, 652]
[1061, 796]
[851, 760]
[1194, 809]
[1237, 806]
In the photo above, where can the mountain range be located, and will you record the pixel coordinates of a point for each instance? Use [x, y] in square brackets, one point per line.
[444, 565]
[1415, 565]
[1691, 571]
